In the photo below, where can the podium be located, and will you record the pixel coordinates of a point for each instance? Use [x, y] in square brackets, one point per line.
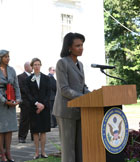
[92, 112]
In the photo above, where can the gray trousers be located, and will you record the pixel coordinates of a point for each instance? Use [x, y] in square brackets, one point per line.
[71, 141]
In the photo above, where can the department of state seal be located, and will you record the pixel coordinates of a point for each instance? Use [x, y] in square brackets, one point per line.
[114, 130]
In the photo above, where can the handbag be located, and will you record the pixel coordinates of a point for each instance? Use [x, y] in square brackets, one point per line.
[10, 92]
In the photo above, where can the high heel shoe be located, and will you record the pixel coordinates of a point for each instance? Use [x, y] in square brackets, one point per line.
[3, 157]
[44, 156]
[10, 160]
[36, 157]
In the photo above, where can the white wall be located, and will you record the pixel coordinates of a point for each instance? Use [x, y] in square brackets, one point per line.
[92, 25]
[32, 28]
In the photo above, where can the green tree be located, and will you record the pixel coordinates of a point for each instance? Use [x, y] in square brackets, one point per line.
[121, 44]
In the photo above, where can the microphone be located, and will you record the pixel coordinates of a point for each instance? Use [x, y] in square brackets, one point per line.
[102, 66]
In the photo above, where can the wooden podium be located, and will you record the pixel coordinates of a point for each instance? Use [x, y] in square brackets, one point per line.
[92, 113]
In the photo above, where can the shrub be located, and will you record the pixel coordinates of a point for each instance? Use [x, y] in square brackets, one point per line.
[132, 149]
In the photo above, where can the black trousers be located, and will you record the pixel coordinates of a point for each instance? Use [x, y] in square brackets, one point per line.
[24, 124]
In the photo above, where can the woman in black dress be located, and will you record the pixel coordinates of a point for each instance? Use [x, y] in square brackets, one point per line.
[38, 87]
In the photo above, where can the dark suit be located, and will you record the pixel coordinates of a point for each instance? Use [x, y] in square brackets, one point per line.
[52, 98]
[24, 124]
[40, 123]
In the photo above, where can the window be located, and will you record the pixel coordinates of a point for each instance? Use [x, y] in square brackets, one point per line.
[66, 24]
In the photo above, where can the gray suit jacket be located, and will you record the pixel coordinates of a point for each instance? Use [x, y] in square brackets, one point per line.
[12, 78]
[8, 118]
[70, 84]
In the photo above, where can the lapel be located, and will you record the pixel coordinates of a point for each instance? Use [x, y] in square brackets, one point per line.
[34, 83]
[9, 74]
[25, 75]
[2, 76]
[79, 71]
[9, 78]
[41, 81]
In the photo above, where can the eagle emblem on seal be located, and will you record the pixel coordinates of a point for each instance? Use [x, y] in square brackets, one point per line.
[115, 130]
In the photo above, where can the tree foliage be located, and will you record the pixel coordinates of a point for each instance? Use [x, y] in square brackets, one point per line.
[123, 46]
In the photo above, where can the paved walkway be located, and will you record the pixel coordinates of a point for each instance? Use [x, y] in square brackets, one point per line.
[24, 152]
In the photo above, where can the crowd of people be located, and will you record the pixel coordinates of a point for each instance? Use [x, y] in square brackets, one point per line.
[43, 101]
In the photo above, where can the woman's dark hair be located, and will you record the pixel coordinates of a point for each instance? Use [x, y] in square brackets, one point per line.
[3, 53]
[68, 41]
[34, 60]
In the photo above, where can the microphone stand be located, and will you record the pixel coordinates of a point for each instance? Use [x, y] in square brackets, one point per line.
[102, 70]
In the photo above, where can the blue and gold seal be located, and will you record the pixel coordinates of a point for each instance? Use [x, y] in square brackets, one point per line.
[114, 130]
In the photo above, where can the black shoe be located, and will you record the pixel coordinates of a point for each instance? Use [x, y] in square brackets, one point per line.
[22, 141]
[10, 160]
[32, 138]
[54, 126]
[36, 157]
[44, 156]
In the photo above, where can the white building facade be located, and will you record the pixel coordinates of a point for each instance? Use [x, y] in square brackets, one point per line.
[35, 28]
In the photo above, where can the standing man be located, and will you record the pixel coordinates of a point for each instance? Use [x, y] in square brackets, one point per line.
[24, 124]
[52, 97]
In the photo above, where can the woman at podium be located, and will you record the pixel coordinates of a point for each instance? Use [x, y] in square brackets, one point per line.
[70, 84]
